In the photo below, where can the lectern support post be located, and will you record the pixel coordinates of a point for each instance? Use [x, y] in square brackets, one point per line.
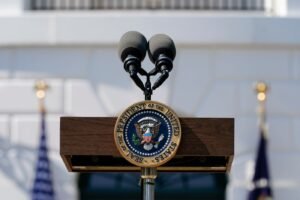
[148, 183]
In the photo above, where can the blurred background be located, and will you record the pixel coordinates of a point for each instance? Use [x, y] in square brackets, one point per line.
[223, 48]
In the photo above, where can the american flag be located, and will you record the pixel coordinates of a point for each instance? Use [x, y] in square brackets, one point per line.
[260, 187]
[43, 187]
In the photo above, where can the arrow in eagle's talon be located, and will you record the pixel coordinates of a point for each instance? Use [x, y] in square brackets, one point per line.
[161, 137]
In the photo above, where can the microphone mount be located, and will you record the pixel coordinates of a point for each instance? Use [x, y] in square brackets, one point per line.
[148, 87]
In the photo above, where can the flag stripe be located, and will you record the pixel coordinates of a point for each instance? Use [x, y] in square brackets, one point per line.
[43, 186]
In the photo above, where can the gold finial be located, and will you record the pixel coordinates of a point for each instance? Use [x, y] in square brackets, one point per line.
[40, 90]
[261, 90]
[41, 87]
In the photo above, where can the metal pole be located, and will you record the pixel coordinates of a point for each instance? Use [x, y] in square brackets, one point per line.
[148, 189]
[148, 183]
[261, 90]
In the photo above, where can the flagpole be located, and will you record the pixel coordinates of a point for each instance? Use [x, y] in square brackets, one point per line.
[260, 188]
[261, 89]
[41, 88]
[148, 182]
[43, 185]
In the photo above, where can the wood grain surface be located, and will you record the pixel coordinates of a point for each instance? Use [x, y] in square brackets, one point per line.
[94, 136]
[87, 144]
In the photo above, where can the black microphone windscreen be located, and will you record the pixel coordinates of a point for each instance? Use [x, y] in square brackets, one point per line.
[161, 44]
[132, 43]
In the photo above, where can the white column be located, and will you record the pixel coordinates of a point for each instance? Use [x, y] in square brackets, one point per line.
[276, 7]
[280, 7]
[293, 7]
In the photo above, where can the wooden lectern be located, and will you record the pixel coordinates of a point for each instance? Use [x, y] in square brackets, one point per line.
[87, 144]
[94, 144]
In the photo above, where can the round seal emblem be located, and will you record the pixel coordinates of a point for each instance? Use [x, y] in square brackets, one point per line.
[147, 134]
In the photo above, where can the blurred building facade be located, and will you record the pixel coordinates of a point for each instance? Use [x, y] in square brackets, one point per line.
[223, 48]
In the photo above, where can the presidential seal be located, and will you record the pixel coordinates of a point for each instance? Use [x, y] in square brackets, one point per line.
[147, 134]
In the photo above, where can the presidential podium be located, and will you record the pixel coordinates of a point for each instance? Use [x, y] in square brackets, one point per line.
[148, 136]
[87, 145]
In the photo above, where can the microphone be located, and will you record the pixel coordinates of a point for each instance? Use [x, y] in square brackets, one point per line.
[161, 51]
[132, 51]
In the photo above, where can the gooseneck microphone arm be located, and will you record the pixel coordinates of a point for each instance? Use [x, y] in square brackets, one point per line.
[136, 79]
[134, 69]
[161, 79]
[148, 90]
[132, 65]
[163, 65]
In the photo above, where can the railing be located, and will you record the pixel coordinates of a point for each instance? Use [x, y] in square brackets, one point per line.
[250, 5]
